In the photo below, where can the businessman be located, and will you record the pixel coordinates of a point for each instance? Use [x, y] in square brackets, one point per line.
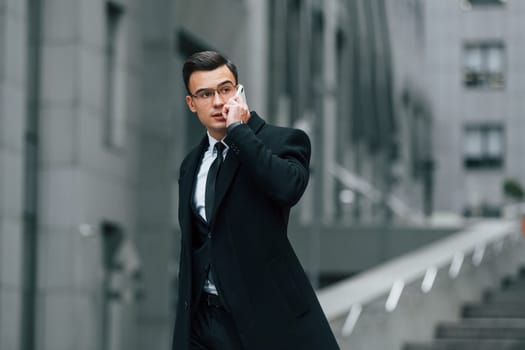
[241, 285]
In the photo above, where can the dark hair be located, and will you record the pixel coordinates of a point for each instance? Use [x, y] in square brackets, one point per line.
[205, 60]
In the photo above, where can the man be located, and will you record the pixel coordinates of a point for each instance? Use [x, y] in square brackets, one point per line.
[241, 285]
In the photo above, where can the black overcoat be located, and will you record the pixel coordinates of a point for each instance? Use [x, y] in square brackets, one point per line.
[265, 173]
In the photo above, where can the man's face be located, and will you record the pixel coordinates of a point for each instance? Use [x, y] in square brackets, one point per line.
[216, 86]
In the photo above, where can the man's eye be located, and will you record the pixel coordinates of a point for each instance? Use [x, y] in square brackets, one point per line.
[206, 94]
[226, 90]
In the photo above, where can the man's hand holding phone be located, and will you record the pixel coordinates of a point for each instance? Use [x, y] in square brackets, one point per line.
[236, 109]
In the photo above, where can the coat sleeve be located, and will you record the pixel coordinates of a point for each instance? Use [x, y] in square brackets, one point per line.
[281, 171]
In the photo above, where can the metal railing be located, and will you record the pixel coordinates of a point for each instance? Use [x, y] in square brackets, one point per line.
[347, 298]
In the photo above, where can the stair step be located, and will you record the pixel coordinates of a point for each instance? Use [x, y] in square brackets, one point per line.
[482, 330]
[514, 284]
[498, 323]
[517, 297]
[515, 288]
[494, 310]
[521, 272]
[486, 322]
[468, 344]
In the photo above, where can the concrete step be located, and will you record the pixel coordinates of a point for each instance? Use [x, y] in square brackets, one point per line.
[468, 344]
[483, 329]
[494, 310]
[515, 287]
[509, 296]
[497, 323]
[516, 283]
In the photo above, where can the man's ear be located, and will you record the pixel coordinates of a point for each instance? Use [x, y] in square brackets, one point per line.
[191, 104]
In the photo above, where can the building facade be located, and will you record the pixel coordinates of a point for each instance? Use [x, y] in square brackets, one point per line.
[93, 127]
[475, 69]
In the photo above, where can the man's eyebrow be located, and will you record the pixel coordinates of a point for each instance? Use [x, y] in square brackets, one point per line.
[221, 84]
[226, 82]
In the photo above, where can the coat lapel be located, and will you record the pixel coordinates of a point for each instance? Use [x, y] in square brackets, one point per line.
[226, 175]
[187, 184]
[231, 164]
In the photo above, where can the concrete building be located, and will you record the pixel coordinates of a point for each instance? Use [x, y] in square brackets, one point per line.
[93, 126]
[413, 168]
[475, 78]
[86, 166]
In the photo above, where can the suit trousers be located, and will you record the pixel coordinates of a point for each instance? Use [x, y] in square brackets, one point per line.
[213, 327]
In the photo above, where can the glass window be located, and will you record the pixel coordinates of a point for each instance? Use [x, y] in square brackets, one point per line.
[486, 2]
[473, 143]
[494, 143]
[467, 5]
[473, 59]
[115, 125]
[483, 146]
[484, 65]
[494, 60]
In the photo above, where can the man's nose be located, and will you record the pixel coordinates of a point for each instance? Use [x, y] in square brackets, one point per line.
[217, 98]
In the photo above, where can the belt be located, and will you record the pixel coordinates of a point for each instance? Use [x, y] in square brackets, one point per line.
[211, 300]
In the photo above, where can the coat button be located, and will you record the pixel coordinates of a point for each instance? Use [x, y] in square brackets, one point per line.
[186, 306]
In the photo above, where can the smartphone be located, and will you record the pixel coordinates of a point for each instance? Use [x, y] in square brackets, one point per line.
[240, 92]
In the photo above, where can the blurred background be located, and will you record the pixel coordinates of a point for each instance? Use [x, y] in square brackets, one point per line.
[415, 109]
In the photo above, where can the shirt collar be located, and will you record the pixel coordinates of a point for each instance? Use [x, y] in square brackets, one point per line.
[212, 141]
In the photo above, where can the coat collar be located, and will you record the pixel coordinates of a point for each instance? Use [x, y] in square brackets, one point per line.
[224, 181]
[231, 164]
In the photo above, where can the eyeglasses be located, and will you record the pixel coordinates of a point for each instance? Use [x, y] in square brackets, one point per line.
[225, 90]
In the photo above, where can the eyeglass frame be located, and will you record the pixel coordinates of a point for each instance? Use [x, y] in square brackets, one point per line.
[215, 91]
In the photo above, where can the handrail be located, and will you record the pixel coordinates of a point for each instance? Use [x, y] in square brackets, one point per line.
[356, 183]
[349, 295]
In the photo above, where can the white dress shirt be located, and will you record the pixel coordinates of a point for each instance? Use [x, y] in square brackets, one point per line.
[200, 186]
[200, 191]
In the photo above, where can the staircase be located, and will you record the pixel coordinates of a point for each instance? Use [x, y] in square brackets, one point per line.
[495, 323]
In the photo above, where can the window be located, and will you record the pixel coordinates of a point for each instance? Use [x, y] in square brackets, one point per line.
[485, 2]
[468, 4]
[483, 65]
[115, 125]
[483, 146]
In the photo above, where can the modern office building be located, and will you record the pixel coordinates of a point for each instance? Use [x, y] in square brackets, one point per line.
[93, 126]
[475, 55]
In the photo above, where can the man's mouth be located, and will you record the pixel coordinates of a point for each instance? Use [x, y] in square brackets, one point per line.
[217, 116]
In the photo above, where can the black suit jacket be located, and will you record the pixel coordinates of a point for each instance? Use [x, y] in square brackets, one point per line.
[261, 280]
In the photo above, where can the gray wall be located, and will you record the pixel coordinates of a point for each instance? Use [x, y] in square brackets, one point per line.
[347, 250]
[411, 98]
[81, 180]
[13, 95]
[448, 28]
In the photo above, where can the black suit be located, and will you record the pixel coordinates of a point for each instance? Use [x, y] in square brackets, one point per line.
[261, 280]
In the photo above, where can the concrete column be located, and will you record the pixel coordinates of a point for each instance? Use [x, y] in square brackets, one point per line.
[82, 181]
[329, 106]
[256, 76]
[157, 174]
[13, 96]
